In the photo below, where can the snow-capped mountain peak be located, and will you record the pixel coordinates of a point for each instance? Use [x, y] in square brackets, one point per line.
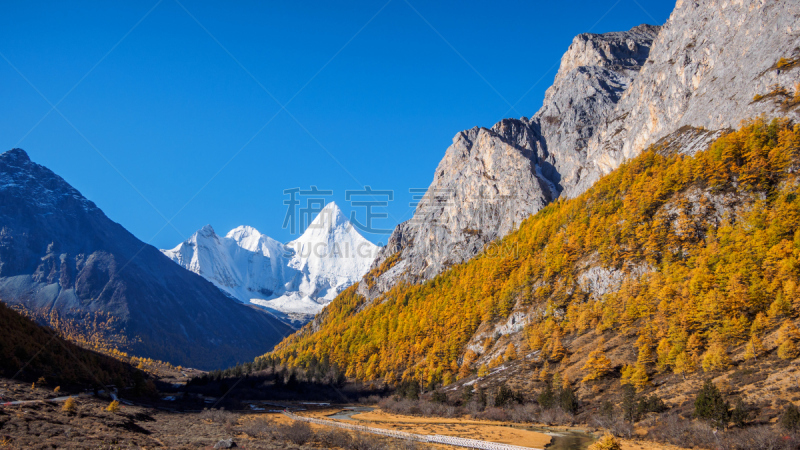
[330, 217]
[243, 232]
[299, 277]
[331, 245]
[251, 239]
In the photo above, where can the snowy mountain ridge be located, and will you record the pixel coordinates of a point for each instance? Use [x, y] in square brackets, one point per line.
[297, 278]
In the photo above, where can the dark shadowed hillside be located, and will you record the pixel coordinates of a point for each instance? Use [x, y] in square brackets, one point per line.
[30, 351]
[67, 264]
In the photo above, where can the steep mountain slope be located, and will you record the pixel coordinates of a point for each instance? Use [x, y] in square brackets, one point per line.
[30, 351]
[67, 263]
[491, 179]
[683, 258]
[712, 65]
[300, 277]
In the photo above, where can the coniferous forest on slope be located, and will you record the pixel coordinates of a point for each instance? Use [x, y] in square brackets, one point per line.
[708, 246]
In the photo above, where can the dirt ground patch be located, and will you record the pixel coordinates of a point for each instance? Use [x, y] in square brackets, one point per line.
[483, 430]
[468, 428]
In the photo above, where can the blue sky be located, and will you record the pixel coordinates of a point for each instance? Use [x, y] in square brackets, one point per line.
[172, 113]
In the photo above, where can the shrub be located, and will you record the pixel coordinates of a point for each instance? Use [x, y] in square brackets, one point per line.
[402, 444]
[113, 406]
[57, 390]
[496, 414]
[335, 438]
[547, 398]
[261, 427]
[791, 418]
[364, 441]
[525, 413]
[219, 416]
[652, 404]
[672, 429]
[629, 405]
[70, 406]
[616, 425]
[568, 401]
[740, 413]
[439, 397]
[710, 406]
[607, 442]
[556, 416]
[297, 432]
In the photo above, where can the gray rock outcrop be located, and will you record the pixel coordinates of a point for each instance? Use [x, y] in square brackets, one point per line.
[708, 65]
[490, 180]
[595, 72]
[226, 443]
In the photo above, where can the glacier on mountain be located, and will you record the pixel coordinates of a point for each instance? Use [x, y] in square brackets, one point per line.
[298, 278]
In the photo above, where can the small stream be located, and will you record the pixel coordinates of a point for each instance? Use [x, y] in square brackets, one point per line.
[347, 413]
[564, 440]
[561, 440]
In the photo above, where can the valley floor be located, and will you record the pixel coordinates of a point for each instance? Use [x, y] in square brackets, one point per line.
[534, 435]
[44, 424]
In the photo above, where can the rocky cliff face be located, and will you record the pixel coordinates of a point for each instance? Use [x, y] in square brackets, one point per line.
[714, 64]
[595, 72]
[60, 256]
[490, 180]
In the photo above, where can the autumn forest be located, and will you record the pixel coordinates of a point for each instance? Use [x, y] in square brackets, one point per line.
[703, 251]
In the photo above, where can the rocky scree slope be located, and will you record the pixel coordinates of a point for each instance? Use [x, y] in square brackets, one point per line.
[67, 264]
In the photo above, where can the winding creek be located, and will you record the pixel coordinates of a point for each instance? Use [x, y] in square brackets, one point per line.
[560, 439]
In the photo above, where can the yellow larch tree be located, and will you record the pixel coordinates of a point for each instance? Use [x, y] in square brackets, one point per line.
[511, 352]
[788, 337]
[596, 366]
